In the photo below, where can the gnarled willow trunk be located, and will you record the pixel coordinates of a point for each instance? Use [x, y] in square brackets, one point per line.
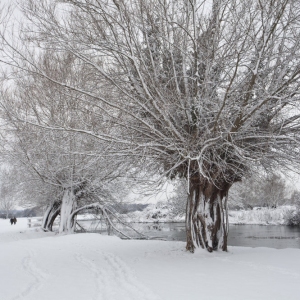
[69, 205]
[206, 215]
[50, 215]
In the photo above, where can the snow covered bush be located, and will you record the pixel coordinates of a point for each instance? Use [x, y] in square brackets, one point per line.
[263, 216]
[292, 217]
[158, 212]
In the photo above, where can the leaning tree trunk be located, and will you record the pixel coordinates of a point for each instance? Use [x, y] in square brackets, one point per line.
[50, 215]
[206, 215]
[68, 206]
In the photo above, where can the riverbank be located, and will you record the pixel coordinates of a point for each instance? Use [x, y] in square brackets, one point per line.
[262, 216]
[38, 265]
[257, 216]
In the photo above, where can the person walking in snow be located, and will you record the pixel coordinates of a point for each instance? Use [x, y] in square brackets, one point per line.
[13, 220]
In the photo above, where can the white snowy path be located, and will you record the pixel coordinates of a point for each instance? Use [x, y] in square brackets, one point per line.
[39, 266]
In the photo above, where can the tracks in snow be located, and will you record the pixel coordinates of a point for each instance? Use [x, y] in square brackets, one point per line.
[97, 276]
[30, 267]
[127, 281]
[114, 280]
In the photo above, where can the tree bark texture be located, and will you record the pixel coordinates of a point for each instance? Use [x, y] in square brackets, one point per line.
[69, 204]
[50, 215]
[206, 215]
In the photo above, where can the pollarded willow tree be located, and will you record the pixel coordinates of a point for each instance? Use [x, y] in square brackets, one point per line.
[72, 171]
[204, 89]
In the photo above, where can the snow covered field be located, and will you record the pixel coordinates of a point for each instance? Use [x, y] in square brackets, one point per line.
[41, 266]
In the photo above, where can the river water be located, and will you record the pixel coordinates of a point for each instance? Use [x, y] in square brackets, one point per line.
[278, 236]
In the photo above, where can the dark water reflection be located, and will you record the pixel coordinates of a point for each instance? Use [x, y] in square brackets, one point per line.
[278, 237]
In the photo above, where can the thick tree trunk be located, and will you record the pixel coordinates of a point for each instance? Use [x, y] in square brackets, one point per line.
[68, 206]
[206, 215]
[50, 215]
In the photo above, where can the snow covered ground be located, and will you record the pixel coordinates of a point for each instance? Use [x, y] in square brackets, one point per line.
[37, 265]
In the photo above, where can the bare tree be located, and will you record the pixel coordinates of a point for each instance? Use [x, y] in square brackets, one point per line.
[264, 190]
[205, 90]
[7, 200]
[74, 169]
[273, 191]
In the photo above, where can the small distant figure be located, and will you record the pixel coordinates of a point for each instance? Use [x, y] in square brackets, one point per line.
[13, 221]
